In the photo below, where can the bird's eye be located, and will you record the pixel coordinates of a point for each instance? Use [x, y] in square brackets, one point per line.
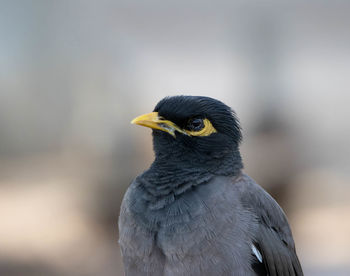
[199, 127]
[195, 124]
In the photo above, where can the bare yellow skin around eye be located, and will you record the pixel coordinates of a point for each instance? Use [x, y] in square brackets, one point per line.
[205, 131]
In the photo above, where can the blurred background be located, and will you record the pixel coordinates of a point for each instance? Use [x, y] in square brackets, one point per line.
[74, 73]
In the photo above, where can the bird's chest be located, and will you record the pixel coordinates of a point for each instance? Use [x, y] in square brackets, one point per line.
[192, 221]
[178, 233]
[204, 227]
[184, 223]
[210, 236]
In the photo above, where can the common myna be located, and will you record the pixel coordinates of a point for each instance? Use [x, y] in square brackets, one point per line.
[194, 212]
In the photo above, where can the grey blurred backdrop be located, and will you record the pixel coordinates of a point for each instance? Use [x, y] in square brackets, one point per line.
[74, 73]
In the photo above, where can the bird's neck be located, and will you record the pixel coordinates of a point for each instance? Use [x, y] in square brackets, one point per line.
[177, 173]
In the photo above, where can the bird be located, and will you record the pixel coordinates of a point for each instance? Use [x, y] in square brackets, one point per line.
[194, 211]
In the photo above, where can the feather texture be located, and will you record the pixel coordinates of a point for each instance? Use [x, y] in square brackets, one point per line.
[208, 230]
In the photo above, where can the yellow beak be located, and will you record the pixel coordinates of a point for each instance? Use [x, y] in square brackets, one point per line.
[152, 120]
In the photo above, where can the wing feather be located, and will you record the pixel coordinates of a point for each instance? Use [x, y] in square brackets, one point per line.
[274, 237]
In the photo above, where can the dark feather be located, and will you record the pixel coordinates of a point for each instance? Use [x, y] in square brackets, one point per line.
[274, 237]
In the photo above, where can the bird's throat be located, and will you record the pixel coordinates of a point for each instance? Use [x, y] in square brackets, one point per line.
[171, 175]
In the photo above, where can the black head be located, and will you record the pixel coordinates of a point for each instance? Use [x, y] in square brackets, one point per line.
[195, 130]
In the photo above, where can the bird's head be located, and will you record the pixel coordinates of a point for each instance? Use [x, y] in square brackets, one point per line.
[194, 129]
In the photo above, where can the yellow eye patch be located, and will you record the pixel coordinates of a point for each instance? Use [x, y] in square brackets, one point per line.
[205, 131]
